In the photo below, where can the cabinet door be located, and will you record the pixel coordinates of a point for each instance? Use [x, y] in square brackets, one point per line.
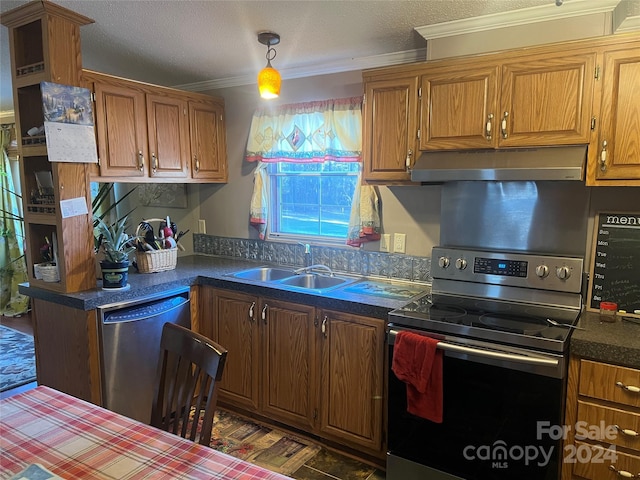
[619, 157]
[390, 129]
[546, 101]
[168, 127]
[352, 378]
[289, 390]
[235, 327]
[459, 108]
[122, 130]
[208, 142]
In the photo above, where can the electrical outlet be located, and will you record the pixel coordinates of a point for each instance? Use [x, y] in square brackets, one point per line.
[202, 226]
[399, 242]
[385, 241]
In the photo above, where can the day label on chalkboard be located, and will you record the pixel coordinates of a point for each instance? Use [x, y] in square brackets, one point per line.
[615, 275]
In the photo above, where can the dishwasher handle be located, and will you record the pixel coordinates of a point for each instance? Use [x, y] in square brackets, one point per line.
[146, 310]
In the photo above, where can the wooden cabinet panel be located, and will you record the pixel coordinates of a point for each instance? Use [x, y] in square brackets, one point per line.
[626, 464]
[602, 421]
[390, 129]
[617, 153]
[289, 365]
[628, 433]
[168, 127]
[459, 108]
[208, 142]
[352, 378]
[121, 130]
[236, 328]
[547, 101]
[607, 382]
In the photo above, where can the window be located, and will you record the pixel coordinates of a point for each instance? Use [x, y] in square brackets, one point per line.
[311, 201]
[307, 180]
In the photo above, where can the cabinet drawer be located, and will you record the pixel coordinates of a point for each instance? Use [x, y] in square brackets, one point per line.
[608, 382]
[595, 462]
[596, 420]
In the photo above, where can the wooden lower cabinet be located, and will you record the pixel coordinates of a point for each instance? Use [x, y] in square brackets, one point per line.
[352, 378]
[602, 422]
[316, 370]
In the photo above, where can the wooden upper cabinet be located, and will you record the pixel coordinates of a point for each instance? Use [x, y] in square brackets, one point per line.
[208, 141]
[390, 128]
[121, 129]
[148, 133]
[546, 101]
[168, 129]
[459, 107]
[615, 159]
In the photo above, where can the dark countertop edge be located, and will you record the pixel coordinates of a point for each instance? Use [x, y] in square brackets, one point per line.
[615, 343]
[213, 271]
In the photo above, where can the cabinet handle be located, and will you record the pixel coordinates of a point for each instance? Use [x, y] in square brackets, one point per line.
[603, 156]
[407, 161]
[489, 127]
[251, 311]
[195, 157]
[626, 431]
[622, 473]
[140, 161]
[324, 326]
[628, 388]
[503, 124]
[154, 162]
[264, 313]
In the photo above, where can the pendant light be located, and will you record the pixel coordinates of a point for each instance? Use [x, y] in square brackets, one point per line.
[269, 78]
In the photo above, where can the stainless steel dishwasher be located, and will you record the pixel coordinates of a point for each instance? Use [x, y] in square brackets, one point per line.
[130, 346]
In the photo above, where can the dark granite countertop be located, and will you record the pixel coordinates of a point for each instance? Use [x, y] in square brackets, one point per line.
[213, 270]
[616, 343]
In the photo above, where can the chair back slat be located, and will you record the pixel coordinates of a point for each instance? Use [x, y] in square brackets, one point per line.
[186, 383]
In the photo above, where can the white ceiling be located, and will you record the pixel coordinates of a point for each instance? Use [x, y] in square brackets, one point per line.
[179, 42]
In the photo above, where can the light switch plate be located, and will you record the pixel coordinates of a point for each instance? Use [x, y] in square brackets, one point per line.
[399, 242]
[385, 241]
[202, 226]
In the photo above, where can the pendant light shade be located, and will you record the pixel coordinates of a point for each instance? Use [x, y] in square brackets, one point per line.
[269, 79]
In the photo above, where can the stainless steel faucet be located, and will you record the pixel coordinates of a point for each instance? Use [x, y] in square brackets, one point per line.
[311, 268]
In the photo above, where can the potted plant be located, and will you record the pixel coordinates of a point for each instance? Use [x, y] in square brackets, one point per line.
[116, 246]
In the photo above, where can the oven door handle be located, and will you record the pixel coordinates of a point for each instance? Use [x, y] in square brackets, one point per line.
[513, 357]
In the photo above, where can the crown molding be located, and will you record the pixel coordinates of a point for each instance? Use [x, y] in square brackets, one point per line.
[543, 13]
[346, 65]
[629, 24]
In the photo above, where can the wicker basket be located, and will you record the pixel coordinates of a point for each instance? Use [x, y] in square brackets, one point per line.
[156, 260]
[48, 273]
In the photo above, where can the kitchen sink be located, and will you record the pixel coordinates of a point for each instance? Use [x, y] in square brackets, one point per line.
[264, 274]
[315, 281]
[278, 276]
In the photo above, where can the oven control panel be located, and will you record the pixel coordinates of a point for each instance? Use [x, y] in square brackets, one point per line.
[548, 272]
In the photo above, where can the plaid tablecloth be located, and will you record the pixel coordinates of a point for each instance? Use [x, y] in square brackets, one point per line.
[75, 439]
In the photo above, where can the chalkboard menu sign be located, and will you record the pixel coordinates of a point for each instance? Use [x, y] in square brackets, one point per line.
[615, 264]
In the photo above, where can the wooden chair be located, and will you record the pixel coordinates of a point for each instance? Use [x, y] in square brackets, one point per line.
[189, 370]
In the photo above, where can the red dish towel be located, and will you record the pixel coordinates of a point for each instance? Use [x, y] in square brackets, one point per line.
[418, 363]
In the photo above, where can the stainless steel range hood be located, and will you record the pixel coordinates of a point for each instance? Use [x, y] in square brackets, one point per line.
[545, 163]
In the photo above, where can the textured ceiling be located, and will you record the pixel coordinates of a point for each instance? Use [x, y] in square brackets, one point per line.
[180, 42]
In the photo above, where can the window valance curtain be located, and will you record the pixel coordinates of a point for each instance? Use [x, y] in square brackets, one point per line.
[307, 132]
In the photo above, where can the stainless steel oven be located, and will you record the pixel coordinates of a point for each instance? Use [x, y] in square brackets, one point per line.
[503, 320]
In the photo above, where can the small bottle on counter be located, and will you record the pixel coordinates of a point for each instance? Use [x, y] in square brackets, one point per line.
[608, 311]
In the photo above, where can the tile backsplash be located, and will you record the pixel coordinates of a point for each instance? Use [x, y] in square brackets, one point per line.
[339, 259]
